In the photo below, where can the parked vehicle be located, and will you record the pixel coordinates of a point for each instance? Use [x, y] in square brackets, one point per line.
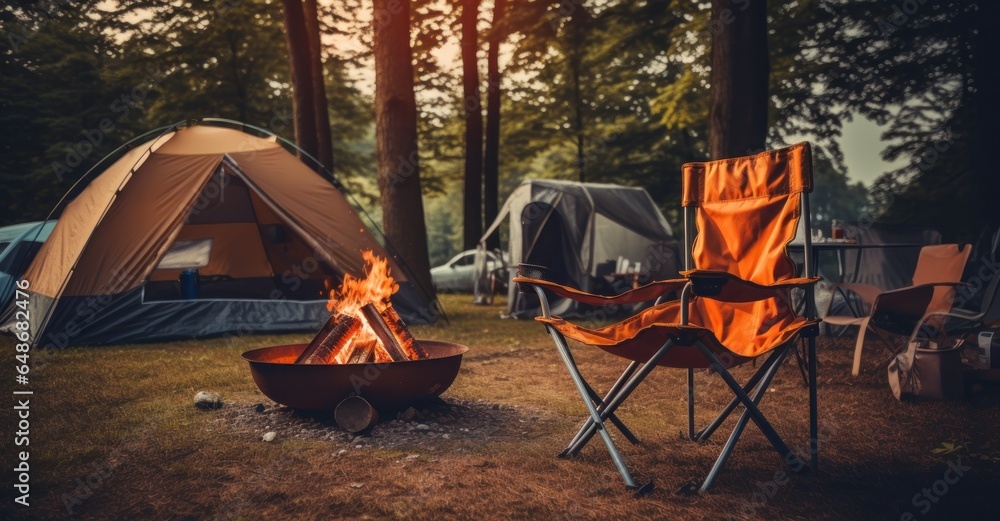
[458, 274]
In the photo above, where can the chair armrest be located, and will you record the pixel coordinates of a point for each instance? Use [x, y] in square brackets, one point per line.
[724, 286]
[909, 303]
[931, 285]
[650, 291]
[867, 292]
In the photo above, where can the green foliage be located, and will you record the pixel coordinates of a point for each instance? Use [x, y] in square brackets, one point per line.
[78, 81]
[60, 107]
[911, 71]
[612, 91]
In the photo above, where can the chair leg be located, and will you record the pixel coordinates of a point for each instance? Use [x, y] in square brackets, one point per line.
[758, 393]
[858, 345]
[813, 413]
[615, 401]
[614, 417]
[691, 434]
[705, 433]
[800, 359]
[595, 417]
[755, 414]
[602, 405]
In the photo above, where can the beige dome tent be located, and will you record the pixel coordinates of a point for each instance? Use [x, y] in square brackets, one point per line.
[258, 230]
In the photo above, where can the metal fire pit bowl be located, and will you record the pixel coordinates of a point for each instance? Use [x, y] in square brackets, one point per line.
[322, 387]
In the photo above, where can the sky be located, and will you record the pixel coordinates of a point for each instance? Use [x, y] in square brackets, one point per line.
[862, 145]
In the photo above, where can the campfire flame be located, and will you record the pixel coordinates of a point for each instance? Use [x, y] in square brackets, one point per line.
[382, 335]
[376, 288]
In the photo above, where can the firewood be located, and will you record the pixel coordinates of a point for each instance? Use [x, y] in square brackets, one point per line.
[402, 333]
[334, 337]
[355, 415]
[384, 333]
[363, 353]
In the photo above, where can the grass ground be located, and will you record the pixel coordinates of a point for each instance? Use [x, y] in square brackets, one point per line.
[121, 419]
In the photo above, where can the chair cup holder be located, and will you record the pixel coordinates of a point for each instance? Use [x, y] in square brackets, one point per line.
[531, 271]
[708, 286]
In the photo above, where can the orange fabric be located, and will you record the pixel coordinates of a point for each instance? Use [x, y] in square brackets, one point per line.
[745, 330]
[941, 263]
[111, 236]
[333, 228]
[140, 225]
[736, 289]
[747, 211]
[651, 291]
[60, 252]
[237, 251]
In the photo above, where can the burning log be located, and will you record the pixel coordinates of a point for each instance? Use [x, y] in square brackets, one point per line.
[399, 330]
[363, 353]
[332, 340]
[384, 333]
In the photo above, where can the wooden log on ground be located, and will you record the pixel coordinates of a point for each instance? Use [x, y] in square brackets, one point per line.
[355, 415]
[331, 340]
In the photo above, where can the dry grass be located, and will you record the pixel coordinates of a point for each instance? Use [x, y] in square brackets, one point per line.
[126, 411]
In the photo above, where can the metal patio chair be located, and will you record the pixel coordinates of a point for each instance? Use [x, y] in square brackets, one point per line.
[734, 304]
[904, 310]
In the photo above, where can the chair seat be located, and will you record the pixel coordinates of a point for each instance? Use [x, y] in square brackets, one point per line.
[842, 320]
[638, 337]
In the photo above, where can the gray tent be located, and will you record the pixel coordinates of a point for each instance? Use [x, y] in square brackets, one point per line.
[584, 233]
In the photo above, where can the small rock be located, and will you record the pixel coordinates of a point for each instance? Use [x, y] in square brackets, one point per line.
[408, 415]
[359, 446]
[357, 485]
[259, 408]
[446, 436]
[341, 452]
[207, 401]
[423, 427]
[413, 456]
[270, 436]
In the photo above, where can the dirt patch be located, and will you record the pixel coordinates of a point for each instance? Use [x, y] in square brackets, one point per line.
[427, 425]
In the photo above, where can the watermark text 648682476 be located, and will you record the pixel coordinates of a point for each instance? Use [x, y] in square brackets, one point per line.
[22, 399]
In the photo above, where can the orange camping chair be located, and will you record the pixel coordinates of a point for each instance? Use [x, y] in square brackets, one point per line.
[735, 304]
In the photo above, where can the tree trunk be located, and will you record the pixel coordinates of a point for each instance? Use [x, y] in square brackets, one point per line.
[740, 69]
[491, 160]
[302, 90]
[578, 29]
[472, 211]
[581, 159]
[396, 141]
[986, 78]
[321, 111]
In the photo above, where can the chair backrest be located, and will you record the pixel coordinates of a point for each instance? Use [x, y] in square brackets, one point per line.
[747, 210]
[941, 263]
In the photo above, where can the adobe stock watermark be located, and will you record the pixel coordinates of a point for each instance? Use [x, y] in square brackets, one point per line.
[48, 10]
[924, 500]
[902, 13]
[97, 476]
[928, 156]
[726, 16]
[768, 490]
[92, 138]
